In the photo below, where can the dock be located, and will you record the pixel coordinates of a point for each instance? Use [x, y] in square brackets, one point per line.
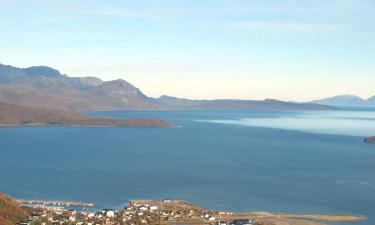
[55, 203]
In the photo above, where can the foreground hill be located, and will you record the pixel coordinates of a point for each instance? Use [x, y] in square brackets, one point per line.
[10, 212]
[347, 100]
[15, 115]
[45, 87]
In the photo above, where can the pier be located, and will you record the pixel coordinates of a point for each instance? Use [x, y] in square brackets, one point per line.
[55, 203]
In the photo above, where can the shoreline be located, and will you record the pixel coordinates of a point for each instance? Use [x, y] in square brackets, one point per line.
[170, 212]
[80, 126]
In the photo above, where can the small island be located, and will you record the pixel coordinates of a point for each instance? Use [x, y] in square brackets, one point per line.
[370, 139]
[17, 115]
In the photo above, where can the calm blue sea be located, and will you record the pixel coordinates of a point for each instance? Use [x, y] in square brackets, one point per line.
[295, 162]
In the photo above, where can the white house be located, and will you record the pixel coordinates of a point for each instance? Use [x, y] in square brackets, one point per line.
[110, 213]
[153, 208]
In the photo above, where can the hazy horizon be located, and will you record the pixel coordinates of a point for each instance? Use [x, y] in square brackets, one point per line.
[166, 94]
[287, 50]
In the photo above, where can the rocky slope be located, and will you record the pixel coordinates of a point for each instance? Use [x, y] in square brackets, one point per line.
[47, 88]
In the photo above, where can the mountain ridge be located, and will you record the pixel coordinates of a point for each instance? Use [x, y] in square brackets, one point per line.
[236, 104]
[46, 87]
[347, 100]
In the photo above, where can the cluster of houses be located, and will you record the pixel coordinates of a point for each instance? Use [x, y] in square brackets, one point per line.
[135, 213]
[43, 215]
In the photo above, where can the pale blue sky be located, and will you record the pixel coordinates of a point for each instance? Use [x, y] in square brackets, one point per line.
[249, 49]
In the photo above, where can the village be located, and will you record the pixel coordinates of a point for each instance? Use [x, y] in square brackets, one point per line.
[137, 212]
[164, 212]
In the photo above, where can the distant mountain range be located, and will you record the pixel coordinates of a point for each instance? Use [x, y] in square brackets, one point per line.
[45, 87]
[347, 100]
[268, 104]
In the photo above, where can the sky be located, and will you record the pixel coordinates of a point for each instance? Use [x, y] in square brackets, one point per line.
[201, 49]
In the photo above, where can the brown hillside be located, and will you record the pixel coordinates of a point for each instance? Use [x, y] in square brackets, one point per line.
[15, 114]
[10, 212]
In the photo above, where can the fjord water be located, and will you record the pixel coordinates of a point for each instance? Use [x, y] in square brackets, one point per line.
[297, 162]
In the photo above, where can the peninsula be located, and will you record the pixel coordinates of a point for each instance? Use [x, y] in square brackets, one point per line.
[17, 115]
